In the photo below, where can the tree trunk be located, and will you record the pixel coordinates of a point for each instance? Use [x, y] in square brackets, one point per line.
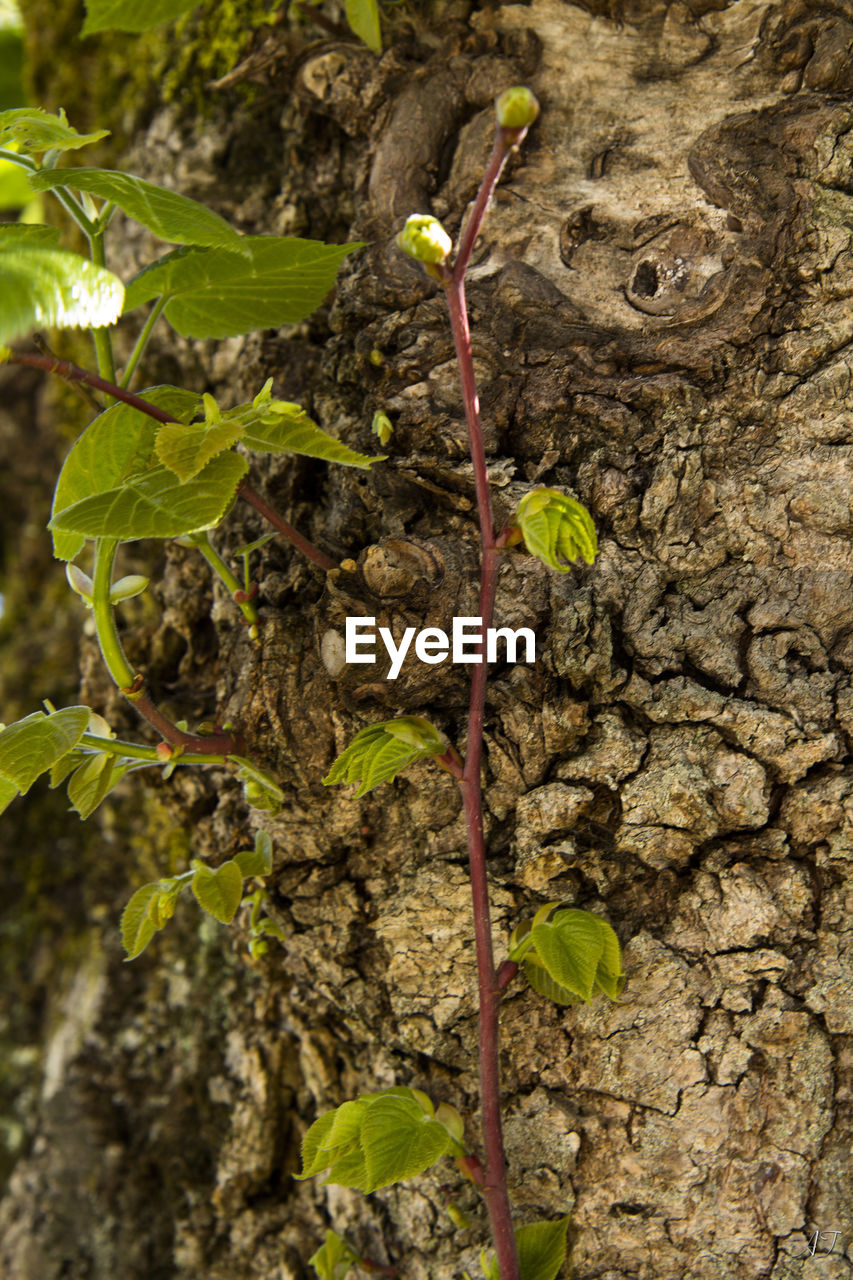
[660, 307]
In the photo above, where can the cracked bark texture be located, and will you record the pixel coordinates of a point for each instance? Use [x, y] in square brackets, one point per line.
[661, 319]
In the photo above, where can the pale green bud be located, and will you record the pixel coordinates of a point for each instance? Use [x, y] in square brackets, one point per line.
[516, 108]
[382, 426]
[80, 582]
[423, 237]
[126, 588]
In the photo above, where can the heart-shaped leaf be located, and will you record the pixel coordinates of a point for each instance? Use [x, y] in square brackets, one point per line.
[219, 892]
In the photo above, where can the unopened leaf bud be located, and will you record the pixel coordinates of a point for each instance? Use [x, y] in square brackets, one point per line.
[423, 237]
[516, 108]
[80, 582]
[382, 426]
[126, 588]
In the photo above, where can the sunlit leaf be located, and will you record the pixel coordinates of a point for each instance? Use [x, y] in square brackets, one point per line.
[169, 215]
[381, 751]
[46, 287]
[275, 280]
[8, 791]
[399, 1141]
[556, 529]
[15, 235]
[156, 504]
[35, 130]
[568, 954]
[257, 861]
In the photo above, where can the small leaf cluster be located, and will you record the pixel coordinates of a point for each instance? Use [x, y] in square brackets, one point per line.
[568, 955]
[381, 1138]
[130, 477]
[381, 751]
[556, 529]
[219, 892]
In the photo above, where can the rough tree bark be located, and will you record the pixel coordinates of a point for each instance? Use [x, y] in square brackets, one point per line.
[662, 326]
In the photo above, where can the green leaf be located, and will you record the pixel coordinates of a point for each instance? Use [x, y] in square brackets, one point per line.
[220, 891]
[186, 448]
[35, 130]
[381, 751]
[14, 235]
[541, 1249]
[579, 952]
[257, 861]
[556, 529]
[31, 746]
[156, 504]
[543, 984]
[399, 1141]
[489, 1263]
[275, 426]
[170, 216]
[260, 788]
[119, 443]
[132, 15]
[334, 1259]
[137, 927]
[92, 781]
[45, 287]
[363, 18]
[275, 280]
[8, 791]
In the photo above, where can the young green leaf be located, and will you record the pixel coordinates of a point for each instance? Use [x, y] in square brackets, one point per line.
[569, 954]
[117, 445]
[363, 18]
[334, 1259]
[93, 780]
[31, 746]
[132, 15]
[35, 131]
[556, 529]
[274, 280]
[156, 504]
[186, 448]
[275, 426]
[399, 1141]
[137, 927]
[15, 191]
[170, 216]
[257, 861]
[219, 892]
[381, 751]
[542, 1249]
[259, 787]
[43, 286]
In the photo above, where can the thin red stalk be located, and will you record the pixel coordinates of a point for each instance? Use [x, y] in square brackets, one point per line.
[494, 1185]
[73, 373]
[307, 548]
[214, 744]
[505, 140]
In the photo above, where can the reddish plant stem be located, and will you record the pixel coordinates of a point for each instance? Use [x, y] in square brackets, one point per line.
[307, 548]
[494, 1185]
[505, 140]
[214, 744]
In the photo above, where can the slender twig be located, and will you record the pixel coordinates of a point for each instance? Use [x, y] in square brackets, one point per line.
[307, 548]
[489, 981]
[201, 541]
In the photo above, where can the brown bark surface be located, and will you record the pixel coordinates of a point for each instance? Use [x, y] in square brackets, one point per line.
[661, 315]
